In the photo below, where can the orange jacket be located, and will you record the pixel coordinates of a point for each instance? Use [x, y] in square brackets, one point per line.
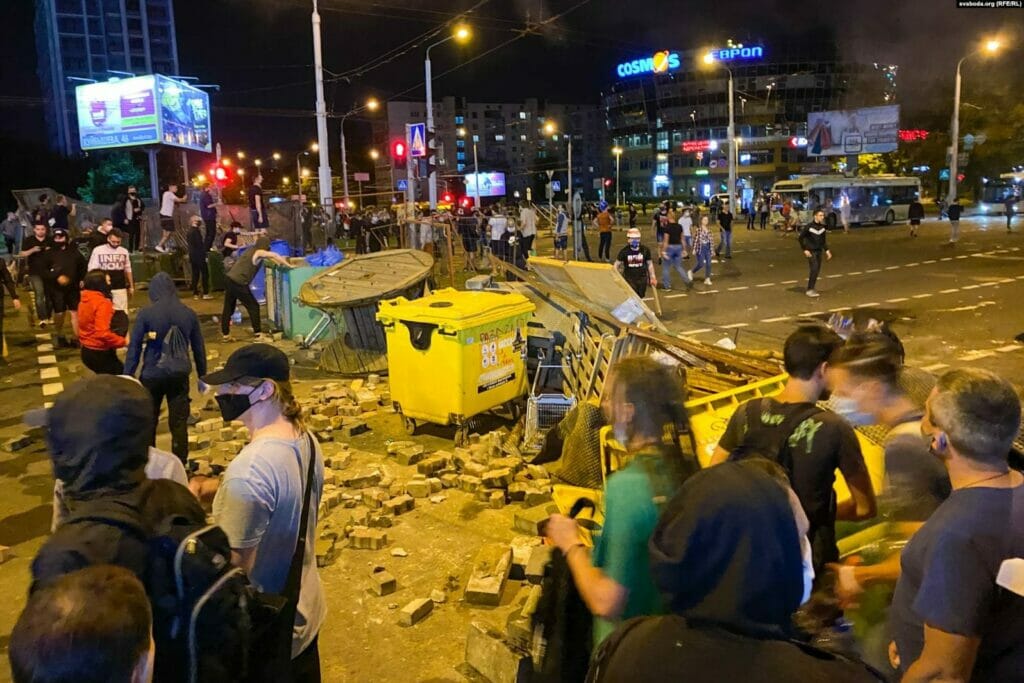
[94, 314]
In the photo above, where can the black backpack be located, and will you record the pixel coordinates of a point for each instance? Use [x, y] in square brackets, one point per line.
[174, 359]
[772, 443]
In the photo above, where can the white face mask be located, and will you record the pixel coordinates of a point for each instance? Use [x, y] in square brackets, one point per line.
[849, 410]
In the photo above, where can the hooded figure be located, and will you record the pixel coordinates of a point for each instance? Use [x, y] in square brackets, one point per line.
[726, 557]
[99, 433]
[152, 326]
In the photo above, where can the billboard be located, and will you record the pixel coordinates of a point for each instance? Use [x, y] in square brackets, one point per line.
[145, 110]
[872, 130]
[491, 184]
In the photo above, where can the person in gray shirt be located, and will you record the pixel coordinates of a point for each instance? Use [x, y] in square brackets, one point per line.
[11, 229]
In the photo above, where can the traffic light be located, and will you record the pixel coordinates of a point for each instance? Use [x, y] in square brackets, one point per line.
[399, 152]
[607, 182]
[220, 174]
[447, 198]
[431, 152]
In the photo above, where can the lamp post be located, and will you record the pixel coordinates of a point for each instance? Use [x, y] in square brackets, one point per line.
[298, 170]
[460, 34]
[321, 117]
[476, 170]
[372, 105]
[990, 47]
[617, 151]
[550, 129]
[710, 60]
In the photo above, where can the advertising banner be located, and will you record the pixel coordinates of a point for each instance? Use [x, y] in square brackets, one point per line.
[184, 115]
[491, 184]
[871, 130]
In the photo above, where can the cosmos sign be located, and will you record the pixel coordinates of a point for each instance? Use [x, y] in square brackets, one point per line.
[658, 63]
[735, 52]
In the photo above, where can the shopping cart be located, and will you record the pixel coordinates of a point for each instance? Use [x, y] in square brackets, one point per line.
[544, 410]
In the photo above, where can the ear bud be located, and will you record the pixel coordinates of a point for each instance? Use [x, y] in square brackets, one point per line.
[943, 442]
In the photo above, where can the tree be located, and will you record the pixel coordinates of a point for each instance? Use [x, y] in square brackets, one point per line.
[112, 173]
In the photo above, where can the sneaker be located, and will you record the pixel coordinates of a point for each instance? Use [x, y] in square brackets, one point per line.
[161, 249]
[813, 294]
[666, 288]
[707, 281]
[261, 337]
[207, 297]
[42, 324]
[195, 297]
[227, 339]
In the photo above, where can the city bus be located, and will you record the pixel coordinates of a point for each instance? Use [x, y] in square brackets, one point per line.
[873, 199]
[992, 200]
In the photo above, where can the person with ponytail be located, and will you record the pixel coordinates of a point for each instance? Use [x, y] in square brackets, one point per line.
[260, 501]
[643, 401]
[95, 311]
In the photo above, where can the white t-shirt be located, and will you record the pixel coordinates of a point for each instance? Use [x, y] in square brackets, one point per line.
[258, 505]
[685, 222]
[528, 222]
[167, 202]
[498, 225]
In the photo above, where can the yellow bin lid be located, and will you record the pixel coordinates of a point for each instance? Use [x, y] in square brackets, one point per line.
[455, 309]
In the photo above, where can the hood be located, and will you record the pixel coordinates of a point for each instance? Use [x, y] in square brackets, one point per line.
[99, 433]
[726, 551]
[161, 288]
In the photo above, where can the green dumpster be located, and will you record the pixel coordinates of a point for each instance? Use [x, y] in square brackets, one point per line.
[283, 306]
[215, 263]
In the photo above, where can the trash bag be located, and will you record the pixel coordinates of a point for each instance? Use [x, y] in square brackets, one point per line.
[325, 257]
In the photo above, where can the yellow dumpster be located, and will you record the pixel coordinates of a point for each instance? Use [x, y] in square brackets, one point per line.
[454, 354]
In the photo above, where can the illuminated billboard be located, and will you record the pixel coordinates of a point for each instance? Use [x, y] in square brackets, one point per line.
[491, 184]
[871, 130]
[145, 110]
[658, 63]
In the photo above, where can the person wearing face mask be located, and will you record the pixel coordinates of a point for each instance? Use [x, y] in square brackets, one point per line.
[809, 443]
[236, 286]
[98, 341]
[635, 264]
[133, 207]
[260, 500]
[642, 399]
[951, 620]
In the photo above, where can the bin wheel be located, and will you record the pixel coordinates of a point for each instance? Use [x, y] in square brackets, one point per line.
[516, 410]
[461, 436]
[410, 425]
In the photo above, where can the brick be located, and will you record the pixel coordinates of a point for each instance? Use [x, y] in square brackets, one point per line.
[349, 410]
[382, 582]
[418, 488]
[537, 497]
[449, 481]
[354, 429]
[380, 521]
[494, 658]
[356, 385]
[475, 469]
[498, 478]
[327, 409]
[227, 433]
[490, 571]
[497, 500]
[372, 380]
[517, 491]
[5, 553]
[527, 519]
[432, 465]
[363, 538]
[362, 480]
[210, 425]
[469, 483]
[374, 498]
[520, 624]
[438, 597]
[540, 556]
[512, 463]
[438, 499]
[461, 457]
[415, 612]
[319, 423]
[435, 485]
[410, 455]
[332, 499]
[339, 460]
[396, 446]
[324, 551]
[400, 504]
[385, 398]
[522, 547]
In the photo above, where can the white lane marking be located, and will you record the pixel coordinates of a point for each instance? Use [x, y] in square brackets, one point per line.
[738, 289]
[674, 296]
[708, 291]
[912, 265]
[812, 314]
[931, 260]
[733, 325]
[873, 270]
[44, 337]
[44, 348]
[963, 256]
[950, 291]
[948, 258]
[52, 389]
[49, 373]
[892, 267]
[923, 296]
[933, 368]
[855, 272]
[47, 360]
[1010, 347]
[970, 287]
[835, 275]
[1020, 277]
[789, 282]
[988, 284]
[976, 355]
[691, 332]
[780, 319]
[896, 300]
[766, 284]
[868, 305]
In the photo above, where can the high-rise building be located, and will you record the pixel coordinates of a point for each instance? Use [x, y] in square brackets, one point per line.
[79, 41]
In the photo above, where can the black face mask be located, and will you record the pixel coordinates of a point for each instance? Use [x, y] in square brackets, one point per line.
[233, 406]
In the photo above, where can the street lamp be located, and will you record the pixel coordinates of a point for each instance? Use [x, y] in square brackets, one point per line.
[575, 207]
[277, 156]
[374, 154]
[617, 151]
[258, 162]
[240, 154]
[321, 116]
[372, 104]
[710, 60]
[460, 34]
[990, 47]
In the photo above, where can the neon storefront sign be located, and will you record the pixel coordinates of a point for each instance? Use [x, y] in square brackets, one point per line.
[658, 63]
[735, 52]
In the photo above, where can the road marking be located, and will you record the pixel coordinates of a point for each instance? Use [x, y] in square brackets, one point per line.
[929, 261]
[780, 319]
[1011, 347]
[43, 337]
[892, 268]
[766, 284]
[1020, 277]
[708, 291]
[49, 373]
[47, 360]
[812, 314]
[727, 327]
[838, 310]
[963, 256]
[896, 300]
[855, 272]
[835, 275]
[933, 368]
[44, 348]
[874, 270]
[649, 298]
[976, 355]
[692, 332]
[738, 289]
[674, 296]
[52, 389]
[868, 305]
[970, 286]
[912, 265]
[923, 296]
[988, 284]
[950, 291]
[948, 258]
[789, 282]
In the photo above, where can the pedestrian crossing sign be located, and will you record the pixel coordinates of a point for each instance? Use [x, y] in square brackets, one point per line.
[417, 139]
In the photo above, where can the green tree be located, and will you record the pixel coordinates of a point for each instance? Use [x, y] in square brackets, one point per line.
[109, 177]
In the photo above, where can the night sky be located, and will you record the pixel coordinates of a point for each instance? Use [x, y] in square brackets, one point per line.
[260, 51]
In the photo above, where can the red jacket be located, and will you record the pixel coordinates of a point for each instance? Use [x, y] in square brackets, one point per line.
[94, 314]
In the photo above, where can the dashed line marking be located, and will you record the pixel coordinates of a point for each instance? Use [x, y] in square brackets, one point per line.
[692, 332]
[868, 305]
[874, 270]
[976, 355]
[45, 348]
[950, 291]
[43, 337]
[947, 258]
[929, 261]
[781, 318]
[47, 360]
[766, 284]
[1010, 347]
[896, 300]
[855, 272]
[963, 256]
[933, 368]
[49, 373]
[835, 275]
[734, 325]
[892, 268]
[739, 289]
[988, 284]
[812, 314]
[789, 282]
[674, 296]
[708, 291]
[923, 296]
[970, 287]
[52, 389]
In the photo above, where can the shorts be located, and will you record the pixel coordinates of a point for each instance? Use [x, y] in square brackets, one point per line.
[915, 221]
[64, 299]
[426, 233]
[120, 299]
[561, 241]
[166, 224]
[469, 243]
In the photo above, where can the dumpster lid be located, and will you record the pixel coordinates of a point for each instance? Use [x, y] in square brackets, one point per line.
[456, 309]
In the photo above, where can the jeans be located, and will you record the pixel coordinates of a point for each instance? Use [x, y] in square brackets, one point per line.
[1009, 219]
[235, 293]
[673, 259]
[703, 261]
[604, 246]
[764, 220]
[133, 230]
[954, 231]
[175, 390]
[209, 232]
[726, 244]
[750, 220]
[38, 286]
[200, 274]
[9, 241]
[689, 243]
[814, 263]
[103, 362]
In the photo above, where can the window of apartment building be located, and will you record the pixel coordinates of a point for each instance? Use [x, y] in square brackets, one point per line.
[460, 167]
[472, 115]
[459, 120]
[499, 138]
[522, 138]
[460, 143]
[476, 138]
[522, 115]
[460, 156]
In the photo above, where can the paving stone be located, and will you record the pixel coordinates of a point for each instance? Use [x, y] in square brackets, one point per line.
[363, 538]
[494, 658]
[18, 442]
[497, 500]
[5, 553]
[490, 571]
[354, 429]
[432, 465]
[468, 483]
[399, 552]
[438, 597]
[540, 556]
[522, 547]
[400, 504]
[396, 446]
[362, 480]
[537, 497]
[374, 498]
[382, 582]
[450, 481]
[527, 519]
[415, 612]
[418, 488]
[410, 455]
[498, 478]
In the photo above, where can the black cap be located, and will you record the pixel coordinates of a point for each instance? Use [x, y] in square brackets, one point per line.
[253, 362]
[60, 231]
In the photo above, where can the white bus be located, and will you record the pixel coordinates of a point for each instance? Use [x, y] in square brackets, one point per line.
[992, 200]
[873, 199]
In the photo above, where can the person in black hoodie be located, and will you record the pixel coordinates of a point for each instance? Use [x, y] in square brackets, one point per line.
[726, 557]
[814, 241]
[67, 270]
[152, 326]
[6, 282]
[915, 212]
[197, 258]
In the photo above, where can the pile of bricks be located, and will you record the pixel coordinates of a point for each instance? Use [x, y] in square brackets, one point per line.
[342, 408]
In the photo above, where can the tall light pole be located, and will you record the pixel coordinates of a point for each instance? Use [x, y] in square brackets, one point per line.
[617, 151]
[551, 129]
[460, 34]
[371, 105]
[710, 60]
[990, 47]
[321, 117]
[476, 170]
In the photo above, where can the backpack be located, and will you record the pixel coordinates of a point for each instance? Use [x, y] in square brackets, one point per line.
[174, 358]
[770, 442]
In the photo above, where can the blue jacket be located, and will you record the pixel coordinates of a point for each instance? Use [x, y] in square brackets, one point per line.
[165, 310]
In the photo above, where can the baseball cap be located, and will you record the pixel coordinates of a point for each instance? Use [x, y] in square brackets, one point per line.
[60, 231]
[252, 362]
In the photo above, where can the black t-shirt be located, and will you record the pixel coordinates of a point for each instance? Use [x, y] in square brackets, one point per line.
[635, 263]
[96, 239]
[38, 263]
[675, 233]
[948, 581]
[229, 235]
[725, 220]
[60, 216]
[819, 445]
[256, 191]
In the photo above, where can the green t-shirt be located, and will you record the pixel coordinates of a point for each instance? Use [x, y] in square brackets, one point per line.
[631, 514]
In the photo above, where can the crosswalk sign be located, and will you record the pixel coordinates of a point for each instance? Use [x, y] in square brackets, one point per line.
[417, 139]
[403, 184]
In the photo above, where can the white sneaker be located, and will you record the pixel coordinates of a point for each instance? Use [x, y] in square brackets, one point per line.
[707, 281]
[207, 297]
[162, 250]
[813, 294]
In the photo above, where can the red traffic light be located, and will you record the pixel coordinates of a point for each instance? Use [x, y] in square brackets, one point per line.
[607, 182]
[447, 198]
[220, 174]
[398, 149]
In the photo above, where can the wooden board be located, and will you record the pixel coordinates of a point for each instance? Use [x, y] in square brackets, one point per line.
[367, 279]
